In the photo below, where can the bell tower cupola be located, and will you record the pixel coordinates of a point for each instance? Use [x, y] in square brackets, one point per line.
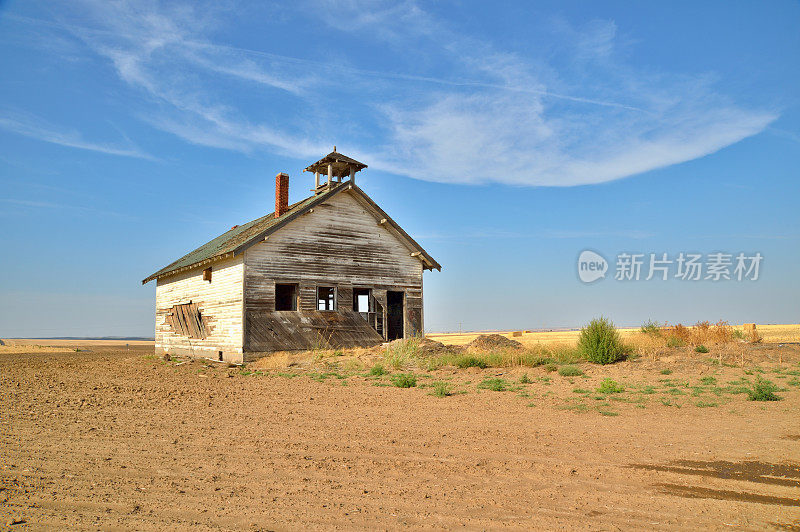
[332, 169]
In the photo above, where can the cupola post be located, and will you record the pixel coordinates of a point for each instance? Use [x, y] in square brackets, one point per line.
[334, 165]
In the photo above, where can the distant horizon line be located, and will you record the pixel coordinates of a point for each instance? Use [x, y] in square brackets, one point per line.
[131, 338]
[470, 331]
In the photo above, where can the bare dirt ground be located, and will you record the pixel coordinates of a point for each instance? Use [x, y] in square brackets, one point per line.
[119, 439]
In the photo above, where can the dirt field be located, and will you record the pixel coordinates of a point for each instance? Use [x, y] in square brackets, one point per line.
[71, 345]
[111, 438]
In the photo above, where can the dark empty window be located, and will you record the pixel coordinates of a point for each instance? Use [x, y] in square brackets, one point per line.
[326, 298]
[285, 297]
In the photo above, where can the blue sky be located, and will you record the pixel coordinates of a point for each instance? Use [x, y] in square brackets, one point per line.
[507, 137]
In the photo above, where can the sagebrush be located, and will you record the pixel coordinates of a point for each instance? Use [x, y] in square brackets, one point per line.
[601, 343]
[404, 380]
[762, 390]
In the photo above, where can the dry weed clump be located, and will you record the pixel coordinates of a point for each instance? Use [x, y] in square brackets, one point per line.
[722, 332]
[647, 345]
[678, 335]
[751, 333]
[754, 337]
[654, 338]
[701, 333]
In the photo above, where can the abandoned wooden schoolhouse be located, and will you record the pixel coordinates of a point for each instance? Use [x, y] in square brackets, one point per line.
[333, 270]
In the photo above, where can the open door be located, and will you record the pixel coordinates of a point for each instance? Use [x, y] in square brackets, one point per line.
[394, 315]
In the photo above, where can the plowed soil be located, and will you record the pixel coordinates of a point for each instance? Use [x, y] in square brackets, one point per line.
[117, 439]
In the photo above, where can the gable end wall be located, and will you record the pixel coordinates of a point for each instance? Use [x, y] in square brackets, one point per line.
[220, 303]
[340, 243]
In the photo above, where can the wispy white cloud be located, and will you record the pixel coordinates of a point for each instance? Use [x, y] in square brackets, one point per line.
[162, 50]
[39, 129]
[487, 115]
[515, 129]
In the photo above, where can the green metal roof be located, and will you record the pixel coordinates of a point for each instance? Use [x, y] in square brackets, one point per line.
[240, 237]
[231, 241]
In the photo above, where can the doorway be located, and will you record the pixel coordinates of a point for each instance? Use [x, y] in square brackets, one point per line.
[394, 315]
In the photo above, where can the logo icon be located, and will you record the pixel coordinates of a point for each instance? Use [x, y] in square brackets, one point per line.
[591, 266]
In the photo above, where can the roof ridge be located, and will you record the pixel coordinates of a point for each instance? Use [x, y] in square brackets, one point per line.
[231, 240]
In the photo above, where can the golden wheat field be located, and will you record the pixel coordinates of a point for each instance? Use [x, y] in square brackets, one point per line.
[771, 333]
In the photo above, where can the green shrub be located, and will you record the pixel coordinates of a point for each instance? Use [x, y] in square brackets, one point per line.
[610, 386]
[496, 385]
[470, 361]
[395, 358]
[525, 379]
[570, 371]
[738, 334]
[377, 370]
[550, 367]
[404, 380]
[651, 327]
[708, 380]
[672, 341]
[441, 389]
[666, 372]
[600, 342]
[701, 349]
[762, 390]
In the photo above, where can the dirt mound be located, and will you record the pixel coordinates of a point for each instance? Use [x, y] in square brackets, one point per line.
[494, 341]
[423, 346]
[432, 347]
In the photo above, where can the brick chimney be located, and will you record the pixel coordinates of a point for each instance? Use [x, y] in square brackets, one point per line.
[281, 194]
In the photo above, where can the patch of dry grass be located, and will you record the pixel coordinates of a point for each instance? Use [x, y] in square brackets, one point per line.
[30, 348]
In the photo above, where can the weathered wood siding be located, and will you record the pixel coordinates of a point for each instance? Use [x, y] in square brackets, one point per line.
[221, 306]
[292, 330]
[339, 244]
